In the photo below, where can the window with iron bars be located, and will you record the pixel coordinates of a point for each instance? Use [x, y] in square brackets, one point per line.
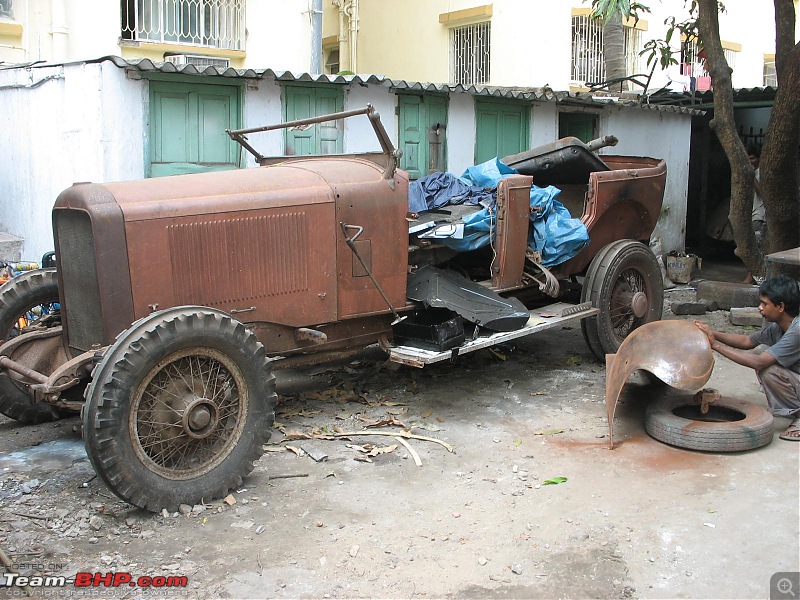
[5, 8]
[470, 54]
[770, 74]
[691, 64]
[587, 50]
[694, 66]
[209, 23]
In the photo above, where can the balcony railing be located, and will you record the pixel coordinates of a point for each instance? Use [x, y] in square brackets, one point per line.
[205, 23]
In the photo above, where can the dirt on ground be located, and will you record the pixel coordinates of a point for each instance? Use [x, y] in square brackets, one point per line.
[518, 494]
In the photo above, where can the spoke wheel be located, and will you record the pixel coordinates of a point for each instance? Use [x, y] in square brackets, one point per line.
[179, 408]
[188, 413]
[24, 299]
[624, 282]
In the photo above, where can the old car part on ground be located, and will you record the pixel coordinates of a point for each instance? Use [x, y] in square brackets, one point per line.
[256, 271]
[729, 425]
[676, 352]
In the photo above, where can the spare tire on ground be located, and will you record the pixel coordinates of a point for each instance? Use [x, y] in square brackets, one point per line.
[730, 425]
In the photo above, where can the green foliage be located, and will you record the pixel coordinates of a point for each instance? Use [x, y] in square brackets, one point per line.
[554, 481]
[608, 9]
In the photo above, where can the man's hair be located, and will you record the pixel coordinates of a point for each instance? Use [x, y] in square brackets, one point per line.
[754, 150]
[782, 289]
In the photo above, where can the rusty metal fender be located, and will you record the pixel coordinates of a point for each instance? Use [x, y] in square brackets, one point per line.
[676, 352]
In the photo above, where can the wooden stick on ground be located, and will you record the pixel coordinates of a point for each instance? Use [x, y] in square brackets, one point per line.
[403, 434]
[411, 451]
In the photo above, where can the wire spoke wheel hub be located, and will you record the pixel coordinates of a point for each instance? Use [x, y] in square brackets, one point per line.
[188, 413]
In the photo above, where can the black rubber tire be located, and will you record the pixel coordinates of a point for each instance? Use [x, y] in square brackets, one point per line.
[17, 296]
[621, 269]
[752, 431]
[166, 349]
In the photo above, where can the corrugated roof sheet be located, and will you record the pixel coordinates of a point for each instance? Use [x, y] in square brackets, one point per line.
[543, 94]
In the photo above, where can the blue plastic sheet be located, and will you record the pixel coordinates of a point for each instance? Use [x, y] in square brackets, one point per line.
[479, 230]
[553, 232]
[488, 174]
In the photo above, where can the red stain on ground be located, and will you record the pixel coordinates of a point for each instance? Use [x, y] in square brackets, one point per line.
[642, 450]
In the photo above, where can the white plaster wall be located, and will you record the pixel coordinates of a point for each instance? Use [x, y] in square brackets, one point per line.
[460, 133]
[51, 136]
[359, 136]
[544, 123]
[262, 106]
[84, 125]
[659, 135]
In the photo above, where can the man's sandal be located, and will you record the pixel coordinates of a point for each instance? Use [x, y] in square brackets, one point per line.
[792, 433]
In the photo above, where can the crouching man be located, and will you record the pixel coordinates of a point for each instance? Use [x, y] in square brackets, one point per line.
[776, 359]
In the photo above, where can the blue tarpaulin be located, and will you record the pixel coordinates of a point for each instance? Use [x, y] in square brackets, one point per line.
[553, 232]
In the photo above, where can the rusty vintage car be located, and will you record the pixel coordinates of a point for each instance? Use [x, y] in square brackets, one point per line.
[178, 297]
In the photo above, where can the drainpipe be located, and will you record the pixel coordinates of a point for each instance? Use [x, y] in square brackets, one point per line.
[59, 30]
[344, 55]
[316, 36]
[352, 13]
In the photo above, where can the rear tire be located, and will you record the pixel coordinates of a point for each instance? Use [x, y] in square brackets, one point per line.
[27, 293]
[624, 282]
[179, 409]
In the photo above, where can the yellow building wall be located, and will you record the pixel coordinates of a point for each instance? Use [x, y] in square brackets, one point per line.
[530, 39]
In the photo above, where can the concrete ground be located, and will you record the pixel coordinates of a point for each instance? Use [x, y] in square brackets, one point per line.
[645, 520]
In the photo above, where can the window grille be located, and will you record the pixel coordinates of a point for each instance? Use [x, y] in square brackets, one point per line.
[5, 8]
[770, 75]
[470, 53]
[730, 56]
[694, 66]
[587, 50]
[209, 23]
[691, 64]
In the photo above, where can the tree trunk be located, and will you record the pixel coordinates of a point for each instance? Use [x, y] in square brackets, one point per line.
[614, 51]
[784, 33]
[779, 159]
[724, 125]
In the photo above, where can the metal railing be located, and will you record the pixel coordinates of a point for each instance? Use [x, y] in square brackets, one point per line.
[587, 50]
[470, 54]
[206, 23]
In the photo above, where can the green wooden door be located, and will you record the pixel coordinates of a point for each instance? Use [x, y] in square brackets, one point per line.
[423, 132]
[580, 125]
[501, 129]
[301, 102]
[187, 128]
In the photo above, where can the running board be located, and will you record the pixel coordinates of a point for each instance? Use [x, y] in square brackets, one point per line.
[541, 319]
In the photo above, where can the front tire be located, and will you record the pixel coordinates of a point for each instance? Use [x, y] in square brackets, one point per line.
[624, 282]
[26, 297]
[179, 409]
